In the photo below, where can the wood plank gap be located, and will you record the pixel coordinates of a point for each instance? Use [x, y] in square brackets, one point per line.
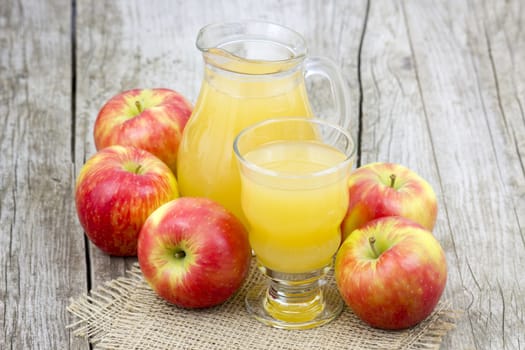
[89, 281]
[360, 83]
[88, 264]
[73, 77]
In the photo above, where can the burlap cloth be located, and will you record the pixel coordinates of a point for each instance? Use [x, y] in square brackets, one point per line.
[126, 314]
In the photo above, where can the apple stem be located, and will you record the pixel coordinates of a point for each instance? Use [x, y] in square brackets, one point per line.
[139, 106]
[392, 180]
[179, 254]
[372, 241]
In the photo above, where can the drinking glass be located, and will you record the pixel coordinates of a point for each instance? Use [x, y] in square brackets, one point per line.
[294, 174]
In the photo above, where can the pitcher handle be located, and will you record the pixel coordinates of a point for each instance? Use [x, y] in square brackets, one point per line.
[326, 68]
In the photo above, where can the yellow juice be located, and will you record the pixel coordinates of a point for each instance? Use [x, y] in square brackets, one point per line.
[227, 104]
[295, 218]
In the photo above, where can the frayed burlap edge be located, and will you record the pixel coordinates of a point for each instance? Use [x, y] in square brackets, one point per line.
[125, 313]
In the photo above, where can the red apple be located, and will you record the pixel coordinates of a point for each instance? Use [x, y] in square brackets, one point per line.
[386, 189]
[193, 252]
[116, 190]
[391, 272]
[151, 119]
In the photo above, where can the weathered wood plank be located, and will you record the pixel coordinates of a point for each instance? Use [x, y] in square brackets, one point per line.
[505, 44]
[395, 125]
[42, 260]
[129, 44]
[442, 94]
[395, 120]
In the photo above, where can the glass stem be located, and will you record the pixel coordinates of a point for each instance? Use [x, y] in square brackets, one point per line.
[296, 300]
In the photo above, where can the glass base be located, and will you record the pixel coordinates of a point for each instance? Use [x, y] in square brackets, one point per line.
[294, 301]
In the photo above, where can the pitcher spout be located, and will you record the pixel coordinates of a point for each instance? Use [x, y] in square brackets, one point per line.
[251, 47]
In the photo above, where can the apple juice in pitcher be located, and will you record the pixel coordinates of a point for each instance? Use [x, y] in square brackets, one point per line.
[253, 71]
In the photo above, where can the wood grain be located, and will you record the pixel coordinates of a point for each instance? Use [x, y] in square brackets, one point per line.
[479, 168]
[42, 260]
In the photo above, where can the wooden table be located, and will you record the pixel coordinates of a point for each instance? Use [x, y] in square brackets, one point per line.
[438, 86]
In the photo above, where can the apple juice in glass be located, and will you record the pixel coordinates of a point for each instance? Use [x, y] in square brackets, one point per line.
[294, 174]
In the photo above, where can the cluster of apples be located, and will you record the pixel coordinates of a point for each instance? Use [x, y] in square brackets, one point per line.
[390, 269]
[192, 251]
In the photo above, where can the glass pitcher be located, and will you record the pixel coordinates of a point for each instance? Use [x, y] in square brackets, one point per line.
[253, 71]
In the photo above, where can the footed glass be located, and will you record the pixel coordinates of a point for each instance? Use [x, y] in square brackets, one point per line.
[294, 195]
